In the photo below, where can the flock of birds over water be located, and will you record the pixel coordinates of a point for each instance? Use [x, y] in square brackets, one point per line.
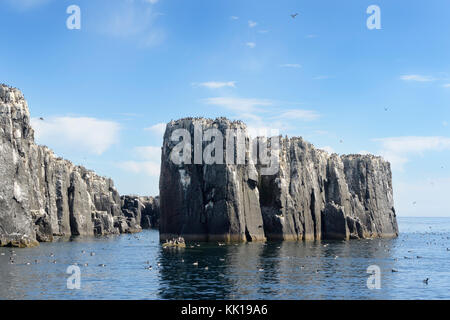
[428, 241]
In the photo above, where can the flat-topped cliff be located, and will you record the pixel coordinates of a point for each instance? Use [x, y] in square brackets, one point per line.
[311, 194]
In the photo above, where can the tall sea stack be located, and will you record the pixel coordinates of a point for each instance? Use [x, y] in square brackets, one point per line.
[313, 195]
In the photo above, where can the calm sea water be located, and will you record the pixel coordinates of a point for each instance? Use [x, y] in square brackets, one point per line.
[279, 270]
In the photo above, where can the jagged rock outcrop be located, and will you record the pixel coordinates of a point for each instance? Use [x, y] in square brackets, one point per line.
[144, 210]
[313, 195]
[42, 195]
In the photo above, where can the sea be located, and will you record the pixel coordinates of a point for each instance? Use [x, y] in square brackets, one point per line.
[135, 266]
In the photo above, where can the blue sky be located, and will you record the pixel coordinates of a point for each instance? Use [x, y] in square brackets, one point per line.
[107, 90]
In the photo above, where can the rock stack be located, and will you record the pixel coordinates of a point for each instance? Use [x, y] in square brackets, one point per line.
[313, 195]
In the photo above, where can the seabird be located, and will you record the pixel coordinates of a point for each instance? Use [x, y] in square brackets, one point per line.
[92, 254]
[102, 265]
[294, 15]
[195, 263]
[394, 270]
[426, 280]
[42, 119]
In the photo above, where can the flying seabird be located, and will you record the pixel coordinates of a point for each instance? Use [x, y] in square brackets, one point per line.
[294, 15]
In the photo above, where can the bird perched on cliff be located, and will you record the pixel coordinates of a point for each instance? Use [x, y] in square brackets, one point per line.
[294, 15]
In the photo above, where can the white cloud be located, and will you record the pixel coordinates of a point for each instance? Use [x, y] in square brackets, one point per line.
[252, 24]
[151, 1]
[148, 163]
[298, 114]
[148, 153]
[216, 84]
[250, 44]
[157, 129]
[310, 36]
[85, 134]
[149, 168]
[290, 65]
[234, 18]
[416, 77]
[397, 150]
[447, 85]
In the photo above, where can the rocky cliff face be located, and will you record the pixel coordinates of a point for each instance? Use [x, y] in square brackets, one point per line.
[42, 195]
[212, 201]
[313, 195]
[144, 210]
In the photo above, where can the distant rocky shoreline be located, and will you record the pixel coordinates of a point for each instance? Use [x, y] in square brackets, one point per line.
[313, 196]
